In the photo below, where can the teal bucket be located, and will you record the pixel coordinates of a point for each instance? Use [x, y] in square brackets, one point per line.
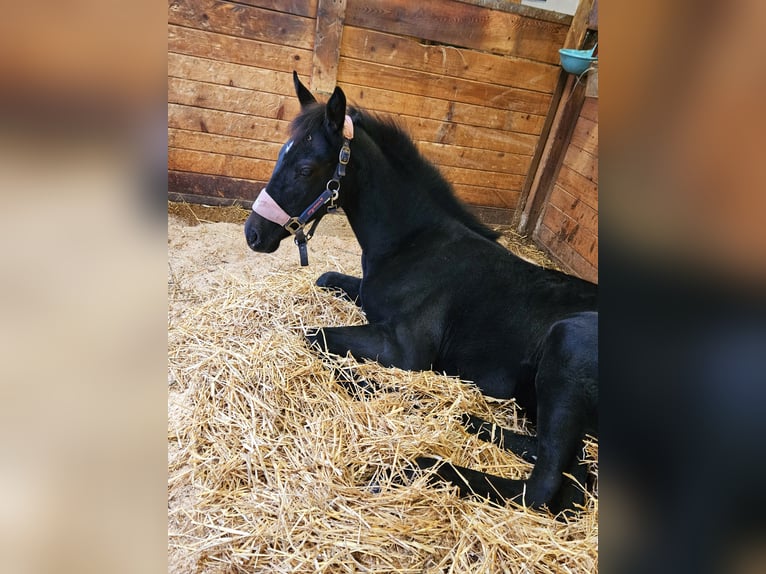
[576, 61]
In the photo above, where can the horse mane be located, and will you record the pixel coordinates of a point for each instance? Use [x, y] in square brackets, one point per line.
[399, 149]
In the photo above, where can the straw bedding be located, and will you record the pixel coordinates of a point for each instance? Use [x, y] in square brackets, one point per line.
[274, 465]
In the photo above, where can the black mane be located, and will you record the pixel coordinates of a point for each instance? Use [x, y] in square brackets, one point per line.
[401, 152]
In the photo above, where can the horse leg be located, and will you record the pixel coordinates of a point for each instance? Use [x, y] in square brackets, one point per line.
[472, 482]
[567, 393]
[347, 284]
[566, 385]
[379, 342]
[521, 445]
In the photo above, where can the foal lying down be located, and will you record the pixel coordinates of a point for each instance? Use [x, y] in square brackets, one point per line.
[438, 291]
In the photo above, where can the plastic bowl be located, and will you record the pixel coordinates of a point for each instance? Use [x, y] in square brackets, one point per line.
[576, 61]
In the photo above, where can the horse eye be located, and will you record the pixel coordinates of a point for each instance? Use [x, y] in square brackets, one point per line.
[305, 171]
[308, 138]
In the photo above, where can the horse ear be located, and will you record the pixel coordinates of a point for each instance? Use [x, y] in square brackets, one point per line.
[304, 96]
[336, 110]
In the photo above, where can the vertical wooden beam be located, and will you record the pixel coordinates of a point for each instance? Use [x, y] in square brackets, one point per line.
[529, 202]
[331, 15]
[579, 25]
[564, 125]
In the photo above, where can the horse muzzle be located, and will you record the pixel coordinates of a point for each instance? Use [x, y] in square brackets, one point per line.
[259, 239]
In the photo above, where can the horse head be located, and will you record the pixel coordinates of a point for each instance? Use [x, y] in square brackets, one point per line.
[306, 178]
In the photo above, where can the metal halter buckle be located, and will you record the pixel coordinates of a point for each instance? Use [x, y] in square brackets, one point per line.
[345, 153]
[293, 225]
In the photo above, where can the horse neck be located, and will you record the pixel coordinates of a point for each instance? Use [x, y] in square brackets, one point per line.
[383, 207]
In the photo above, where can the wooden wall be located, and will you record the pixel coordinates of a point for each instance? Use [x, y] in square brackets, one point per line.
[473, 85]
[568, 225]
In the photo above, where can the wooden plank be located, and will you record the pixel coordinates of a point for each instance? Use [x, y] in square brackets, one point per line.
[570, 260]
[200, 141]
[397, 103]
[528, 202]
[514, 7]
[491, 215]
[306, 8]
[585, 136]
[553, 154]
[227, 123]
[499, 181]
[590, 109]
[486, 196]
[591, 88]
[472, 158]
[574, 208]
[582, 162]
[184, 184]
[226, 98]
[208, 200]
[593, 16]
[409, 53]
[235, 75]
[579, 27]
[223, 48]
[435, 86]
[567, 230]
[243, 21]
[579, 186]
[423, 129]
[329, 31]
[219, 164]
[458, 24]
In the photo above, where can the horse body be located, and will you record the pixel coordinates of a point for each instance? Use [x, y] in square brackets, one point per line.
[438, 291]
[465, 305]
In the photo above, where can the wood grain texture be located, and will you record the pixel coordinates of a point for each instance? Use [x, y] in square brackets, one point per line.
[232, 99]
[565, 254]
[186, 185]
[400, 104]
[423, 129]
[227, 74]
[472, 158]
[329, 31]
[227, 123]
[578, 185]
[590, 109]
[443, 87]
[458, 24]
[486, 196]
[306, 8]
[219, 164]
[243, 21]
[582, 162]
[412, 54]
[230, 49]
[244, 147]
[585, 136]
[568, 230]
[576, 209]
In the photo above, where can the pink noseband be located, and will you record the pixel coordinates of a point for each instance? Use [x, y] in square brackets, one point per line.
[267, 208]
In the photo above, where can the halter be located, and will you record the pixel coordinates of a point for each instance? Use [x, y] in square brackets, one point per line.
[266, 207]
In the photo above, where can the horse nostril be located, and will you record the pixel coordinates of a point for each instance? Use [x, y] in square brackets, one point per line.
[251, 236]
